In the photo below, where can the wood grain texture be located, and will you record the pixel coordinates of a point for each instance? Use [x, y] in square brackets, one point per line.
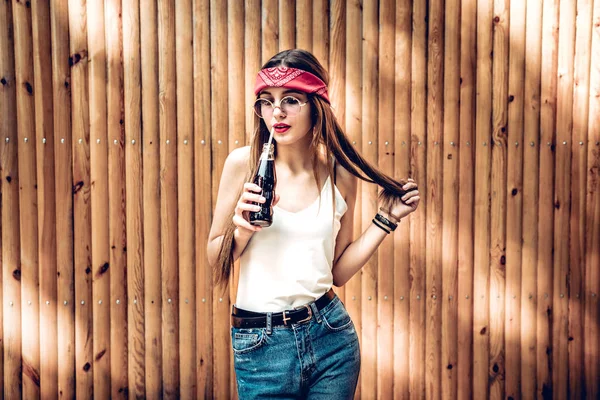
[546, 203]
[169, 212]
[12, 382]
[592, 260]
[203, 202]
[577, 217]
[61, 95]
[80, 141]
[434, 201]
[385, 161]
[351, 119]
[40, 15]
[370, 90]
[531, 175]
[466, 196]
[151, 194]
[418, 221]
[562, 198]
[135, 384]
[270, 29]
[483, 162]
[450, 205]
[26, 162]
[222, 373]
[514, 199]
[115, 122]
[304, 22]
[287, 24]
[101, 268]
[185, 197]
[401, 157]
[130, 109]
[498, 216]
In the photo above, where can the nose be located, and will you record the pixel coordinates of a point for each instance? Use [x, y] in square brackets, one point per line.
[278, 112]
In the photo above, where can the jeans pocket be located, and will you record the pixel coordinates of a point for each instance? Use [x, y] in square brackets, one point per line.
[246, 340]
[337, 318]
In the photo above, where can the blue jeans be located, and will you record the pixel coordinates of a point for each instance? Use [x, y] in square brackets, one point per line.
[318, 359]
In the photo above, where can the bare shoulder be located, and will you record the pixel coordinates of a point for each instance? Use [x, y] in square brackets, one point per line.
[345, 182]
[239, 157]
[236, 167]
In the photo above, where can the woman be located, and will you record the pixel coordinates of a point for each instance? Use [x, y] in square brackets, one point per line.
[291, 335]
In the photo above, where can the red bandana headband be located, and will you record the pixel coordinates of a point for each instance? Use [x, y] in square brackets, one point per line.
[291, 78]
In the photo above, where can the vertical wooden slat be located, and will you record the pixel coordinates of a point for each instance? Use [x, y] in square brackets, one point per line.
[449, 188]
[26, 148]
[151, 193]
[304, 23]
[514, 198]
[531, 147]
[592, 234]
[99, 175]
[219, 139]
[237, 109]
[562, 198]
[252, 62]
[167, 86]
[385, 161]
[185, 204]
[418, 220]
[115, 124]
[81, 203]
[370, 49]
[434, 182]
[61, 86]
[352, 121]
[546, 202]
[337, 78]
[481, 255]
[287, 24]
[11, 263]
[270, 29]
[236, 84]
[320, 30]
[498, 178]
[132, 95]
[46, 199]
[202, 186]
[402, 139]
[466, 197]
[578, 220]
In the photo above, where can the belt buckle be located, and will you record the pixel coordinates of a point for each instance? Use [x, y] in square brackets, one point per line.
[309, 313]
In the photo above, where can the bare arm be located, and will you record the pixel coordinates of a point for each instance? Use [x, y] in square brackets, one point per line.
[351, 256]
[232, 180]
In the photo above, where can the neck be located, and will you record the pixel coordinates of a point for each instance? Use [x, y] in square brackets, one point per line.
[296, 157]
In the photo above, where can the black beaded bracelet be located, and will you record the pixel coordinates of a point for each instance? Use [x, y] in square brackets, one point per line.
[389, 224]
[381, 226]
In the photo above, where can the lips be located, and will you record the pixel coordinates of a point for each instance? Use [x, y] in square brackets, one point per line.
[280, 128]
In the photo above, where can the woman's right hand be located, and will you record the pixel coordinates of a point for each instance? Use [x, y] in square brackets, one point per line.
[250, 194]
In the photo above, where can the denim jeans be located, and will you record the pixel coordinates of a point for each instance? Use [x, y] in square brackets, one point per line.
[318, 359]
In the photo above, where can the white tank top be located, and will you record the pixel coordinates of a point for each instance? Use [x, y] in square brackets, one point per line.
[289, 263]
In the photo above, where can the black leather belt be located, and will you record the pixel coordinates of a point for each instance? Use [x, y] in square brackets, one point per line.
[249, 319]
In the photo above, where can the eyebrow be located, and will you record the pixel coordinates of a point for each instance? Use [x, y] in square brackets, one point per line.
[285, 92]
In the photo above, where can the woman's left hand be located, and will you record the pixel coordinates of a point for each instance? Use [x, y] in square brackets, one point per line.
[410, 201]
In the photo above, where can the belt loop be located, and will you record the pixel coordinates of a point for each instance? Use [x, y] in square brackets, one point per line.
[315, 311]
[269, 322]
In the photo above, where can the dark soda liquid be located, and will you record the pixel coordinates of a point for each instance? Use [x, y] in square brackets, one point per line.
[266, 179]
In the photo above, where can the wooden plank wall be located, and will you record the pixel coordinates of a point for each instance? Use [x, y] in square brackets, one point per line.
[116, 118]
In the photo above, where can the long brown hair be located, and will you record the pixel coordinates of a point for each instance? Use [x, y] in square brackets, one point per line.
[326, 133]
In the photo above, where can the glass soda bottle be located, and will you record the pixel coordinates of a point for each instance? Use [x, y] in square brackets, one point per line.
[267, 179]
